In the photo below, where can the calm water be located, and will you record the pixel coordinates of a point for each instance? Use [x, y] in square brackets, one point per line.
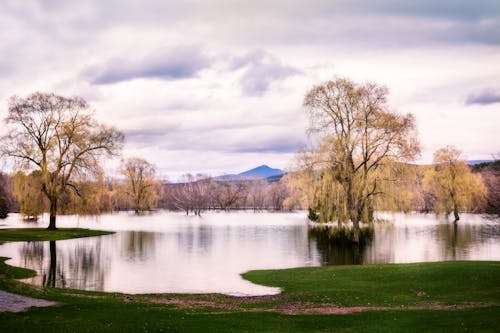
[169, 252]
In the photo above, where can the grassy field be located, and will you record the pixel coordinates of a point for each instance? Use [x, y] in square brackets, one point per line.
[41, 234]
[426, 297]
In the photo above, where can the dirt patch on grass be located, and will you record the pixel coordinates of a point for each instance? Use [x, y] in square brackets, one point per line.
[225, 304]
[295, 308]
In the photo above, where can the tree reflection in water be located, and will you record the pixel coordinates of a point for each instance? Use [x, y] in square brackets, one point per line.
[78, 267]
[336, 246]
[139, 245]
[458, 238]
[49, 280]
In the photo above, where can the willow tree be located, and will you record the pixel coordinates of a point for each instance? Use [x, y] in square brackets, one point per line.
[141, 183]
[361, 140]
[27, 189]
[452, 184]
[60, 138]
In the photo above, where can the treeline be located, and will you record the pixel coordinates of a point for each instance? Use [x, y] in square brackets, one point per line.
[22, 193]
[198, 193]
[417, 188]
[490, 173]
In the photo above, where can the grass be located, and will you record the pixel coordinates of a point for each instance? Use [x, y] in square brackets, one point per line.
[41, 234]
[460, 296]
[11, 272]
[448, 282]
[391, 286]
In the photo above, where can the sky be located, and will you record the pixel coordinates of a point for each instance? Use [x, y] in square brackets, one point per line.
[217, 87]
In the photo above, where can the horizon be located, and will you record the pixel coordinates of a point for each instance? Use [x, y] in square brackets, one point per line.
[216, 89]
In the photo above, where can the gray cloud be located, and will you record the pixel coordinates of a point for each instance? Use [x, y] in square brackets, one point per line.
[448, 9]
[237, 138]
[176, 63]
[275, 146]
[261, 70]
[485, 97]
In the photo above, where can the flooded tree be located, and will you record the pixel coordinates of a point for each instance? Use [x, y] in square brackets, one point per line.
[192, 195]
[229, 194]
[277, 193]
[452, 184]
[359, 135]
[141, 184]
[60, 138]
[257, 194]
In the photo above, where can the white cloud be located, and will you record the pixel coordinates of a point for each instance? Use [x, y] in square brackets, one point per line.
[205, 87]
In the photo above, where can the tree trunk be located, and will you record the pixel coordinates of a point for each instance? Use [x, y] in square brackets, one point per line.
[455, 212]
[455, 206]
[356, 231]
[53, 212]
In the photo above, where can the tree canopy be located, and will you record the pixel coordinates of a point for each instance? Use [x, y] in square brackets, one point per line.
[452, 184]
[59, 137]
[141, 184]
[360, 141]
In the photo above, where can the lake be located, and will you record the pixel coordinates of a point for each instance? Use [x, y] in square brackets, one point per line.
[168, 252]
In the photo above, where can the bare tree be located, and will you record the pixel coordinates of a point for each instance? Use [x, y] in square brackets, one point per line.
[192, 195]
[229, 194]
[141, 183]
[257, 194]
[59, 137]
[359, 134]
[277, 192]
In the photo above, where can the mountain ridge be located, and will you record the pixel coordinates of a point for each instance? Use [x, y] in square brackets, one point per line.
[260, 172]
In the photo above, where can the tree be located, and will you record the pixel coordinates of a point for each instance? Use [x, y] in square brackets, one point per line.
[257, 194]
[141, 183]
[27, 190]
[452, 184]
[60, 138]
[192, 194]
[490, 173]
[277, 192]
[228, 193]
[4, 197]
[359, 136]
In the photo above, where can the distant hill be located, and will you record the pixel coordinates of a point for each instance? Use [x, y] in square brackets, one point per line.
[474, 162]
[260, 172]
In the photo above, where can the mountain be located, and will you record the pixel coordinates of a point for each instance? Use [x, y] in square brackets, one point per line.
[474, 162]
[262, 171]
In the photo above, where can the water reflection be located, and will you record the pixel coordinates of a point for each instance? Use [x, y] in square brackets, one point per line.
[65, 265]
[169, 252]
[50, 281]
[139, 245]
[336, 247]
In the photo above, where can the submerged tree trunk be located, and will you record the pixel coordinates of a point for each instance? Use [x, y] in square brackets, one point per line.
[455, 206]
[53, 212]
[455, 212]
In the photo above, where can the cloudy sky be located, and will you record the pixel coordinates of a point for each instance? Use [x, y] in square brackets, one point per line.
[217, 86]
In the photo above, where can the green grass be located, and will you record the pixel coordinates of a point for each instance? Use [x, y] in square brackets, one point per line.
[42, 234]
[11, 272]
[448, 282]
[392, 286]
